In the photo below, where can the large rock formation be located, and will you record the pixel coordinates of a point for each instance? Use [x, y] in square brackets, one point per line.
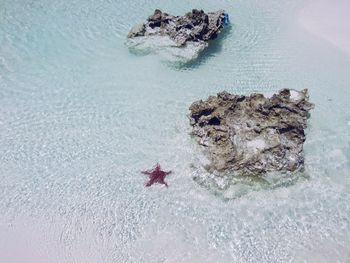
[252, 135]
[194, 26]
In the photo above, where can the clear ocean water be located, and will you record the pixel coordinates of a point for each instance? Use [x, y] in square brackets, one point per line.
[81, 115]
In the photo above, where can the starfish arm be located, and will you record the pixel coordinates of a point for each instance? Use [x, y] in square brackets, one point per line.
[167, 173]
[148, 184]
[146, 172]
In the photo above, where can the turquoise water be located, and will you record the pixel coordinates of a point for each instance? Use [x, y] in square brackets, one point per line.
[80, 116]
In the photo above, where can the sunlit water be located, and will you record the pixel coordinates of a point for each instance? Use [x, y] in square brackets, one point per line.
[81, 115]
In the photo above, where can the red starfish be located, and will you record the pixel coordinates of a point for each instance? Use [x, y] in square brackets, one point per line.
[156, 175]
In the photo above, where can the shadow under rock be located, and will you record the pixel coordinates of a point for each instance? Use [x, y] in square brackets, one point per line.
[214, 47]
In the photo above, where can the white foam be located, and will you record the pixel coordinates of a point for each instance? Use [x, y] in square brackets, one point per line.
[256, 144]
[295, 95]
[167, 48]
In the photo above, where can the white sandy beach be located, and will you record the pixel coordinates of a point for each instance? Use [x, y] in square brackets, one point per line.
[329, 20]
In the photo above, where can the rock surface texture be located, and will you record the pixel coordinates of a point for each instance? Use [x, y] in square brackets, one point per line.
[252, 135]
[194, 26]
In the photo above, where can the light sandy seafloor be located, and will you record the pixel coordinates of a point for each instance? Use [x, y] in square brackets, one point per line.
[34, 242]
[329, 20]
[80, 117]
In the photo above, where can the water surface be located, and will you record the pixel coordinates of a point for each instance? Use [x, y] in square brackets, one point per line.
[80, 116]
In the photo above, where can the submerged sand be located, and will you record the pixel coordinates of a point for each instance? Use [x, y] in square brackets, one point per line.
[329, 20]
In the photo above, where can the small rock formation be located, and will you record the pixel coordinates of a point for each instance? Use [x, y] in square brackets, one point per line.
[195, 26]
[252, 135]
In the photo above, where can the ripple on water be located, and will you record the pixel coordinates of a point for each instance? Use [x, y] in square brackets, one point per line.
[80, 117]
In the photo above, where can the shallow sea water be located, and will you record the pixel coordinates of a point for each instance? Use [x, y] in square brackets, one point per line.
[81, 115]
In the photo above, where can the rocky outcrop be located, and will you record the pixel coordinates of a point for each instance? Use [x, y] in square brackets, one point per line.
[195, 26]
[252, 135]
